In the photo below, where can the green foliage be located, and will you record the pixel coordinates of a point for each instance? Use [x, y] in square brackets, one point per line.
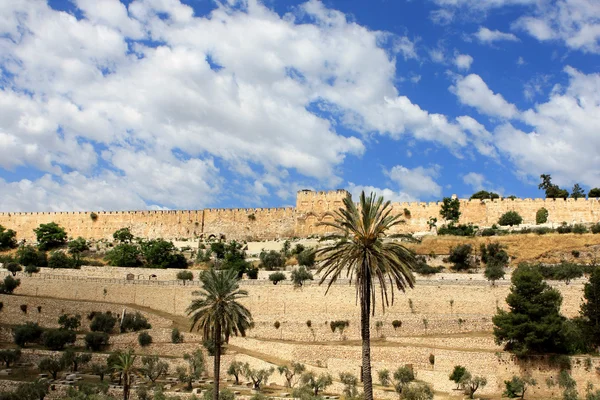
[236, 369]
[50, 236]
[176, 336]
[594, 193]
[8, 238]
[51, 365]
[494, 253]
[27, 333]
[291, 372]
[144, 339]
[224, 394]
[580, 229]
[103, 322]
[534, 323]
[350, 382]
[9, 284]
[494, 272]
[76, 248]
[29, 255]
[541, 216]
[517, 386]
[457, 230]
[57, 339]
[417, 391]
[134, 322]
[13, 268]
[471, 384]
[277, 277]
[339, 325]
[384, 377]
[510, 218]
[402, 377]
[316, 383]
[123, 235]
[306, 258]
[218, 249]
[461, 257]
[552, 191]
[423, 268]
[484, 195]
[74, 360]
[450, 209]
[153, 368]
[9, 356]
[124, 255]
[457, 374]
[565, 380]
[396, 323]
[590, 308]
[257, 376]
[185, 275]
[59, 259]
[577, 192]
[595, 228]
[301, 275]
[235, 259]
[272, 260]
[298, 249]
[160, 253]
[96, 341]
[564, 228]
[36, 390]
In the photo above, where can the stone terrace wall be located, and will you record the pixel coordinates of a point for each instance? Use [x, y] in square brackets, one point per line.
[311, 209]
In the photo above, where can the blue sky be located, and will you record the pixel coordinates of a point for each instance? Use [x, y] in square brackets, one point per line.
[112, 105]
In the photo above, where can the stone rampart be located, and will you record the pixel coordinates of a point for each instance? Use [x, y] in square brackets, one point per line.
[312, 208]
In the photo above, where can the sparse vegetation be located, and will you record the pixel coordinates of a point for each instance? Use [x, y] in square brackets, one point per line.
[541, 216]
[510, 218]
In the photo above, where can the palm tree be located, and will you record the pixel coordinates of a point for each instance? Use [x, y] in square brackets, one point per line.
[363, 257]
[123, 365]
[218, 314]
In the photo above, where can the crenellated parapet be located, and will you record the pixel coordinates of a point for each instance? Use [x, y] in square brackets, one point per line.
[312, 209]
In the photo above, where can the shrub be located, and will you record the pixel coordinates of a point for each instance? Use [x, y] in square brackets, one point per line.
[431, 359]
[9, 284]
[277, 277]
[277, 324]
[57, 339]
[595, 228]
[124, 255]
[103, 322]
[564, 228]
[96, 341]
[489, 232]
[461, 257]
[575, 253]
[457, 374]
[510, 218]
[9, 356]
[396, 323]
[8, 238]
[58, 259]
[494, 253]
[27, 333]
[13, 268]
[300, 275]
[580, 229]
[134, 322]
[252, 273]
[50, 236]
[272, 260]
[306, 257]
[93, 216]
[407, 213]
[32, 269]
[417, 391]
[144, 339]
[185, 275]
[30, 256]
[123, 235]
[484, 195]
[541, 216]
[450, 209]
[160, 253]
[339, 325]
[457, 230]
[51, 365]
[595, 192]
[68, 322]
[176, 336]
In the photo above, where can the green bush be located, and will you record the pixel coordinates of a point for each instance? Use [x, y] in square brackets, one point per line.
[457, 230]
[541, 216]
[484, 195]
[300, 275]
[123, 235]
[489, 232]
[134, 322]
[68, 322]
[57, 339]
[564, 228]
[96, 341]
[423, 268]
[9, 285]
[252, 273]
[176, 336]
[58, 259]
[160, 253]
[396, 323]
[306, 258]
[277, 277]
[594, 193]
[30, 256]
[27, 333]
[510, 218]
[272, 260]
[595, 228]
[580, 229]
[13, 268]
[185, 275]
[450, 209]
[124, 255]
[144, 339]
[461, 257]
[103, 322]
[8, 238]
[50, 236]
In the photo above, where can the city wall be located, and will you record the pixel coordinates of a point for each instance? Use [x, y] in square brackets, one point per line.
[312, 208]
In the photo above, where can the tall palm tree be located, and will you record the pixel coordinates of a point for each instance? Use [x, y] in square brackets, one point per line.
[123, 365]
[218, 314]
[366, 260]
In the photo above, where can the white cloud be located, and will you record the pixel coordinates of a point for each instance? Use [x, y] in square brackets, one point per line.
[485, 35]
[417, 182]
[388, 194]
[564, 139]
[165, 116]
[473, 91]
[482, 139]
[463, 61]
[521, 61]
[475, 180]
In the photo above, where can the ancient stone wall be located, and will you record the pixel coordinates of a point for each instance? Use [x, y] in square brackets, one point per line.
[312, 208]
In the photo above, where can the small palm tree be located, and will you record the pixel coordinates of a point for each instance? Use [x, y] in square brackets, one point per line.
[218, 314]
[123, 365]
[366, 259]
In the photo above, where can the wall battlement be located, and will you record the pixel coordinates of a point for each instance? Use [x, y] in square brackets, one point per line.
[312, 208]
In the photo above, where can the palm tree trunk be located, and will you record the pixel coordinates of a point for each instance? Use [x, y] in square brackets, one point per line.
[126, 388]
[365, 317]
[217, 369]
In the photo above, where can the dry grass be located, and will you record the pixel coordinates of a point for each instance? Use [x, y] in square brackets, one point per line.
[530, 247]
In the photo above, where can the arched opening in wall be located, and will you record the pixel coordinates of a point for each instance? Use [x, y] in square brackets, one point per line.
[323, 229]
[311, 224]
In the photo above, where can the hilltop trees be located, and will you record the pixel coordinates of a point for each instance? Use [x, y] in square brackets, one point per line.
[8, 238]
[552, 191]
[50, 236]
[365, 258]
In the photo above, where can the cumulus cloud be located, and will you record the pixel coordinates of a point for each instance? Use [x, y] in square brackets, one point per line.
[388, 194]
[563, 140]
[418, 182]
[478, 182]
[485, 35]
[463, 61]
[151, 97]
[473, 91]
